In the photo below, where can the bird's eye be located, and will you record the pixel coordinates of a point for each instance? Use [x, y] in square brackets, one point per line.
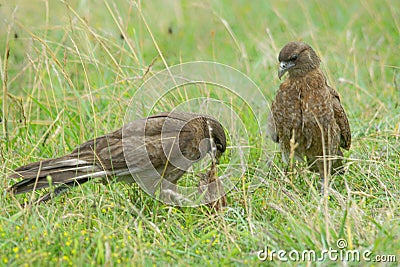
[294, 57]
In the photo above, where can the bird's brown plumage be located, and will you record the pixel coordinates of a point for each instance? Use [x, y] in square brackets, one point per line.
[308, 110]
[160, 146]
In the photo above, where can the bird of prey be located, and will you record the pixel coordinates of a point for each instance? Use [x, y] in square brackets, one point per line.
[155, 152]
[307, 118]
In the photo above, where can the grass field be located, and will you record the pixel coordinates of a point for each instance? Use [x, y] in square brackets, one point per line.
[70, 76]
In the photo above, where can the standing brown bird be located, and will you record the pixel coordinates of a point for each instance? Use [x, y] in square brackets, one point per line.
[307, 118]
[155, 152]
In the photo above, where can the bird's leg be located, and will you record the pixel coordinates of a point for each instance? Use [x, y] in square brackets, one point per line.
[172, 197]
[293, 146]
[324, 169]
[169, 194]
[322, 185]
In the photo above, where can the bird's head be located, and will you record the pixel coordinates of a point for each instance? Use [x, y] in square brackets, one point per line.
[218, 136]
[297, 58]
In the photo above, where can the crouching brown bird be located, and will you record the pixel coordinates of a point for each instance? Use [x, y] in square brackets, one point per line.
[155, 152]
[307, 118]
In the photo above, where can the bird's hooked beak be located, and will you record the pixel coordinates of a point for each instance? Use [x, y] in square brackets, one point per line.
[284, 66]
[215, 154]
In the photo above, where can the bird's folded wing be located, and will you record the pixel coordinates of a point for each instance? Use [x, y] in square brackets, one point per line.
[341, 120]
[271, 128]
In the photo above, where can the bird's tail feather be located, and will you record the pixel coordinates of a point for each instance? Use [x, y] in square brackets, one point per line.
[62, 171]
